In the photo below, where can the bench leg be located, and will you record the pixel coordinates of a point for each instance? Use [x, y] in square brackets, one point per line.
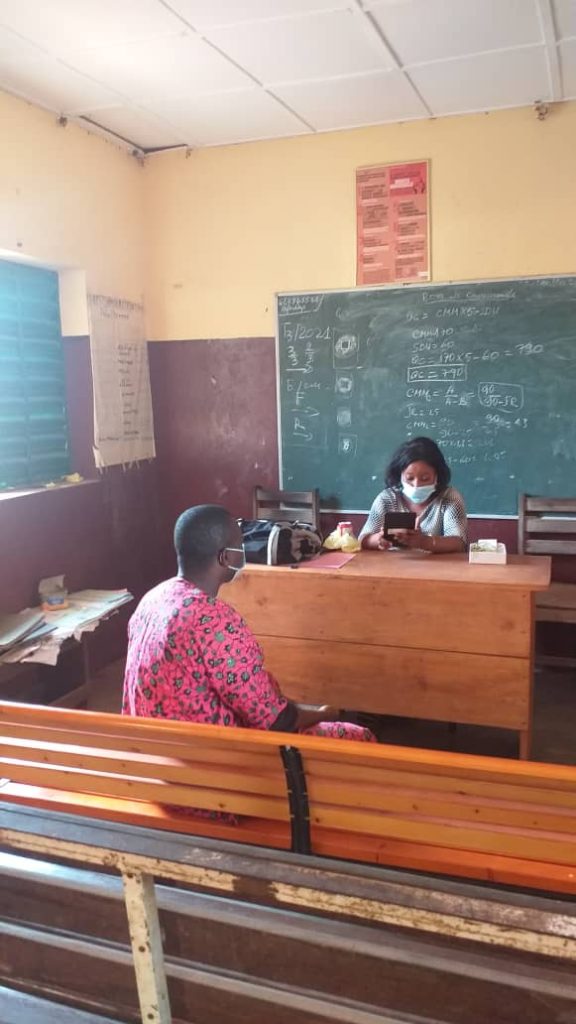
[142, 911]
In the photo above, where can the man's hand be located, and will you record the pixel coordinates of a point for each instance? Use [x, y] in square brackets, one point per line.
[328, 713]
[308, 717]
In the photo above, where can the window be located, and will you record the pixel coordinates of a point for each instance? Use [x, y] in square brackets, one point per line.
[33, 422]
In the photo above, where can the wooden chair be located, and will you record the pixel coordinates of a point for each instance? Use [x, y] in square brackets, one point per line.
[301, 505]
[547, 526]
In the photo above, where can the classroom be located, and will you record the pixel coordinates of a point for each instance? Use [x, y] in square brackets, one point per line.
[196, 230]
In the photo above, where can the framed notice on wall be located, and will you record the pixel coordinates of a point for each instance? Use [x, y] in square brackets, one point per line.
[392, 223]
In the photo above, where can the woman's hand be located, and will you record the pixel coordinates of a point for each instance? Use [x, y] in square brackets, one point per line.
[413, 539]
[376, 542]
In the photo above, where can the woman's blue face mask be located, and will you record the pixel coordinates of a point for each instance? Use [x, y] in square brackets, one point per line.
[418, 494]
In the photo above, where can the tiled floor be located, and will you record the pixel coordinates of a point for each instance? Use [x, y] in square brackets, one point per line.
[554, 721]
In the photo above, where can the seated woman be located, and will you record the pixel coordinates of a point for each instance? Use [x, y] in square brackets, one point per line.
[417, 480]
[191, 657]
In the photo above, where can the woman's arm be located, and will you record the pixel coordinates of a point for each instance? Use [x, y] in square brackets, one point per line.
[375, 541]
[443, 545]
[372, 533]
[454, 524]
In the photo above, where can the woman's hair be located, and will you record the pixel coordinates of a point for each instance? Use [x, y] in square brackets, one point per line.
[418, 449]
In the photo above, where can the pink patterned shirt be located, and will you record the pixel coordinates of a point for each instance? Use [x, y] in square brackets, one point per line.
[192, 658]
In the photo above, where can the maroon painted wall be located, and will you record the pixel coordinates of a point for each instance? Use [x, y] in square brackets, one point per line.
[215, 421]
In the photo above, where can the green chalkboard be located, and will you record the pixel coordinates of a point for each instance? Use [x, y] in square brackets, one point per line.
[487, 369]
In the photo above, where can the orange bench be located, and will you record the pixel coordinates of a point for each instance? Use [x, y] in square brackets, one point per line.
[478, 817]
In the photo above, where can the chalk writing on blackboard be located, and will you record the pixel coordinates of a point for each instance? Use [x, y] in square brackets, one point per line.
[487, 369]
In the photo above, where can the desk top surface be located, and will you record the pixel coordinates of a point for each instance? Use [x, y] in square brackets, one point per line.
[530, 572]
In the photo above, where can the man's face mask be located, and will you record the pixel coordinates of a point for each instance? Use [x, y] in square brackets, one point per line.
[234, 559]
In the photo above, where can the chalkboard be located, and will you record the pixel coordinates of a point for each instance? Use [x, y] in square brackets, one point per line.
[487, 369]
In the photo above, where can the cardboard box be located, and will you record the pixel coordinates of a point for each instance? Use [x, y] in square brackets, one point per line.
[482, 556]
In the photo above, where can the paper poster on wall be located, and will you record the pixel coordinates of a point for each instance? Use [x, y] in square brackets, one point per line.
[123, 422]
[392, 223]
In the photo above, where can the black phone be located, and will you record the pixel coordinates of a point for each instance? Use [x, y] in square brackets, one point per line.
[394, 521]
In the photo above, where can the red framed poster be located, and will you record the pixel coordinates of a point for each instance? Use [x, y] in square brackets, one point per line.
[393, 223]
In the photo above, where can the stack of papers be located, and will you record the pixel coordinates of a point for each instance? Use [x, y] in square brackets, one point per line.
[20, 632]
[42, 636]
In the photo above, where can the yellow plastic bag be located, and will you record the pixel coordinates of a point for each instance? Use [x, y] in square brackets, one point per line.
[338, 541]
[350, 543]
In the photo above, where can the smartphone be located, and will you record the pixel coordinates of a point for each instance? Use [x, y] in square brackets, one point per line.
[394, 521]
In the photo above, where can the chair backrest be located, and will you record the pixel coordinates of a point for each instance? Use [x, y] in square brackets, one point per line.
[275, 505]
[546, 526]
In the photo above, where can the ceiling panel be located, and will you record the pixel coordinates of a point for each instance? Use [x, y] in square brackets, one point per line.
[234, 117]
[202, 13]
[568, 67]
[142, 129]
[349, 102]
[565, 17]
[207, 72]
[47, 82]
[63, 24]
[423, 30]
[13, 46]
[506, 78]
[181, 64]
[319, 46]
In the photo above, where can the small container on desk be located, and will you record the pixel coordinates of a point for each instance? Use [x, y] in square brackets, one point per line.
[487, 553]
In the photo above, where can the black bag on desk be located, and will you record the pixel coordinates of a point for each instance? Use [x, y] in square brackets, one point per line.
[282, 543]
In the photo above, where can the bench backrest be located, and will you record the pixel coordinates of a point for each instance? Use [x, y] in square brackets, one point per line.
[546, 526]
[338, 795]
[168, 763]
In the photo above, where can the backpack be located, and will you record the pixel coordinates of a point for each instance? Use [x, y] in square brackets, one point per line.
[281, 543]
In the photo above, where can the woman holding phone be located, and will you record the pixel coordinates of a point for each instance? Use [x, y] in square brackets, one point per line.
[417, 481]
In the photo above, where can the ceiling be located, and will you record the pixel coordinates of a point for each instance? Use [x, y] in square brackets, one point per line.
[163, 73]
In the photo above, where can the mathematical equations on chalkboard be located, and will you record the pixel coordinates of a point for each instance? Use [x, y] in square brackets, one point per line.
[487, 369]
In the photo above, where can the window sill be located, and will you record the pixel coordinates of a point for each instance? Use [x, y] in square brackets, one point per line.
[27, 492]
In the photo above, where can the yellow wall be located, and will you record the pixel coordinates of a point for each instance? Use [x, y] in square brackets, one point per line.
[70, 198]
[229, 226]
[213, 236]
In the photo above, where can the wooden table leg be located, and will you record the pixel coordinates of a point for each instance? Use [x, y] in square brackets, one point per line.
[525, 736]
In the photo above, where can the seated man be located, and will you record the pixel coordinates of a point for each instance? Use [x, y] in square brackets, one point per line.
[191, 657]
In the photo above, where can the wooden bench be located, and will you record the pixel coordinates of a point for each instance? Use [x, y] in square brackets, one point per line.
[291, 955]
[475, 817]
[547, 526]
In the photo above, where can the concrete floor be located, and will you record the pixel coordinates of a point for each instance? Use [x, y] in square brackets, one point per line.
[554, 721]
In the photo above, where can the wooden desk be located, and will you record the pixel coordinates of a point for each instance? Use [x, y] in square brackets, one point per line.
[403, 633]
